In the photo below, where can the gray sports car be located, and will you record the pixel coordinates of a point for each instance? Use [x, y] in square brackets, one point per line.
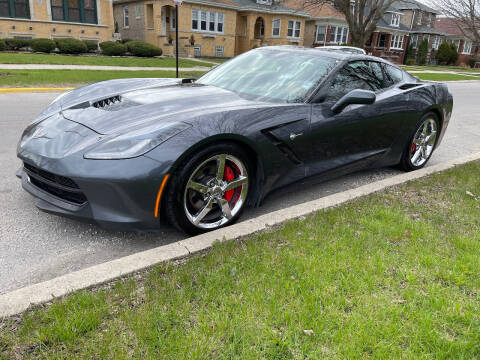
[125, 153]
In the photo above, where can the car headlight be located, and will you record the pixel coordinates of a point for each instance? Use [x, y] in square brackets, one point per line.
[135, 143]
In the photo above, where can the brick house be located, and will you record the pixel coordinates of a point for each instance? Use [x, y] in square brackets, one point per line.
[80, 19]
[220, 28]
[466, 49]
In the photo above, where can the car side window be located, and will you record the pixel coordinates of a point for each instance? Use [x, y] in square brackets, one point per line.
[393, 75]
[355, 75]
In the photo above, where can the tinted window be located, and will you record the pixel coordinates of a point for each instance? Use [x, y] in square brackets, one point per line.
[393, 75]
[364, 75]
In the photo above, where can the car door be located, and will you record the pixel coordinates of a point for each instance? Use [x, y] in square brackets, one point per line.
[360, 134]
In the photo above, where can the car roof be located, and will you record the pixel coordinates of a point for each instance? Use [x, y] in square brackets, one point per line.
[337, 55]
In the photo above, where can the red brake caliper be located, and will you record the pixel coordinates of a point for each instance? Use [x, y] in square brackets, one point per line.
[228, 175]
[412, 150]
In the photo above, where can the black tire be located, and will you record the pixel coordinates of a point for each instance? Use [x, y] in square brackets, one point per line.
[406, 163]
[175, 195]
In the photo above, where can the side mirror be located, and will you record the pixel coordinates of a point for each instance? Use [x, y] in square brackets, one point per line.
[354, 97]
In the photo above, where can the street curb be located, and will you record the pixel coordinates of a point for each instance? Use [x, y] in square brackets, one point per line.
[23, 90]
[19, 300]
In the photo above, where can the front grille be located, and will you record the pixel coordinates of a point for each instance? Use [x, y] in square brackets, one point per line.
[56, 185]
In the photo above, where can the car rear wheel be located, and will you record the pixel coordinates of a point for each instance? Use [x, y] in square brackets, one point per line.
[421, 144]
[209, 190]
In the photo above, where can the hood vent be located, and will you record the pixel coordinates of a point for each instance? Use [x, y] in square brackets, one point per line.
[114, 103]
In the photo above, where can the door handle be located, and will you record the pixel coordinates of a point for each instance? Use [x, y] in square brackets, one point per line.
[293, 136]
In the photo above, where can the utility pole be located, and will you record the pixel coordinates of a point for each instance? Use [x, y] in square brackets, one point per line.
[176, 35]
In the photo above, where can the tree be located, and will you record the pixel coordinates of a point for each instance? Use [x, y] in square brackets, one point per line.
[466, 14]
[444, 53]
[362, 16]
[409, 54]
[422, 52]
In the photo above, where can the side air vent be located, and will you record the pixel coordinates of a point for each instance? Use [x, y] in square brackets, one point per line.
[100, 104]
[408, 86]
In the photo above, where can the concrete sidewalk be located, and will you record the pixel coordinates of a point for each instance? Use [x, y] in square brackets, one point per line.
[95, 67]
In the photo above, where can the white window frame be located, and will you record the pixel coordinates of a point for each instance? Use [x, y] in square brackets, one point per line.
[420, 18]
[395, 20]
[137, 11]
[397, 42]
[264, 2]
[436, 42]
[414, 42]
[173, 20]
[199, 48]
[126, 20]
[338, 36]
[296, 26]
[465, 42]
[324, 27]
[218, 49]
[218, 18]
[279, 27]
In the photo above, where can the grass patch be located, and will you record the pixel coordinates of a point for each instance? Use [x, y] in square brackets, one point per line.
[55, 59]
[29, 78]
[443, 77]
[442, 68]
[392, 275]
[213, 59]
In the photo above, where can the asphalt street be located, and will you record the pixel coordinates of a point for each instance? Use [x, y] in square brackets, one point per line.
[35, 246]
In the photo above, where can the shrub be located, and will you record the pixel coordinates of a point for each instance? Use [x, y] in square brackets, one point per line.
[16, 44]
[71, 46]
[2, 45]
[112, 48]
[140, 48]
[454, 54]
[473, 62]
[444, 53]
[422, 52]
[410, 61]
[409, 54]
[91, 45]
[42, 45]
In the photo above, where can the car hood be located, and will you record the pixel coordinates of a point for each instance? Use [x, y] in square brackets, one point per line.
[167, 101]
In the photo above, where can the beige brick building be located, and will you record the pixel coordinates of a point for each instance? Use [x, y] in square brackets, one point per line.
[79, 19]
[221, 28]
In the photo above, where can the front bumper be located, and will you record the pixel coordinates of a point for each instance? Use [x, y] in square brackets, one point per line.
[116, 194]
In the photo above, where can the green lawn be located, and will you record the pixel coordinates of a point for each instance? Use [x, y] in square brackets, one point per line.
[45, 78]
[441, 68]
[394, 275]
[29, 58]
[213, 59]
[443, 77]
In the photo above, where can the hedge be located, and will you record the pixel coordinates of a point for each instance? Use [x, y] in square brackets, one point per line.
[91, 45]
[112, 48]
[71, 46]
[42, 45]
[140, 48]
[16, 44]
[2, 45]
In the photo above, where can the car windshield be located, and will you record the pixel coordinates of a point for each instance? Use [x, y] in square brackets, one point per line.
[271, 74]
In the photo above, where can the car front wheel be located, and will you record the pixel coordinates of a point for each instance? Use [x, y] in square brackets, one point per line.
[209, 190]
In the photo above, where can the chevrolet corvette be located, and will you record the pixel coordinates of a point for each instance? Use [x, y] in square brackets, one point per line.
[126, 153]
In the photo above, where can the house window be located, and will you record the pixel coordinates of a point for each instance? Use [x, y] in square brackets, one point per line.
[125, 17]
[14, 9]
[276, 27]
[321, 34]
[395, 21]
[436, 42]
[420, 18]
[218, 51]
[397, 42]
[382, 41]
[294, 28]
[339, 35]
[84, 11]
[264, 2]
[467, 47]
[173, 21]
[414, 41]
[137, 11]
[210, 21]
[197, 51]
[456, 42]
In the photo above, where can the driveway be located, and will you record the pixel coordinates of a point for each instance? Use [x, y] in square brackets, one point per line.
[35, 246]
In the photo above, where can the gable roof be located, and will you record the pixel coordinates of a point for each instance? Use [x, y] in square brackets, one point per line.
[317, 11]
[414, 5]
[448, 26]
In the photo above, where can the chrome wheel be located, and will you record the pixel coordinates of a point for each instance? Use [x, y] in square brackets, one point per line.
[216, 191]
[423, 142]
